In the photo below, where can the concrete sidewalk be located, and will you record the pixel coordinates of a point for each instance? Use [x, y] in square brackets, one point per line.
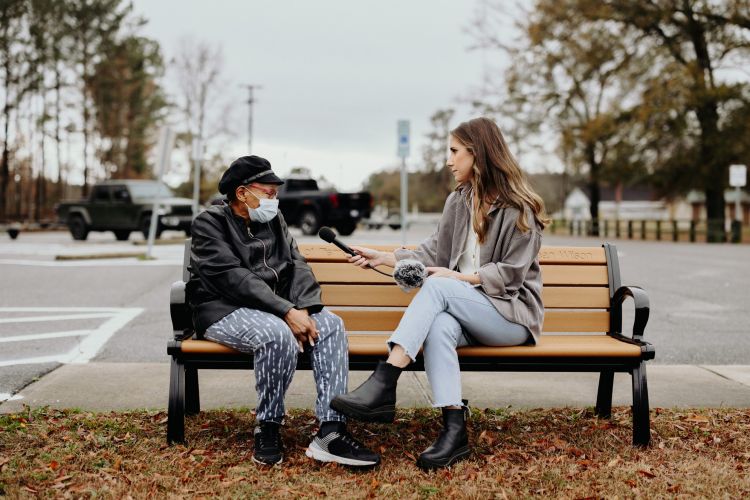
[122, 386]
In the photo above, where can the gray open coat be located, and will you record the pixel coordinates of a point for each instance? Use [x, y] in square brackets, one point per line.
[509, 262]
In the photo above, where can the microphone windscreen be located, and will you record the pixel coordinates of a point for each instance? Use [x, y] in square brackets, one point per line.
[327, 234]
[409, 274]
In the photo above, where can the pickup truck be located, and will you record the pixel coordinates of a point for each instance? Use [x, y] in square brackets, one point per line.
[305, 205]
[124, 206]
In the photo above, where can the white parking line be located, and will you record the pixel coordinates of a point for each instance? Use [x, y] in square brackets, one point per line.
[34, 319]
[43, 336]
[87, 348]
[91, 345]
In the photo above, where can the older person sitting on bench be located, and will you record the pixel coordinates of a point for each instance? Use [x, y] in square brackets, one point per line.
[251, 290]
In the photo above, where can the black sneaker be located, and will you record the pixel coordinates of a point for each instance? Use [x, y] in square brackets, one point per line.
[267, 443]
[339, 446]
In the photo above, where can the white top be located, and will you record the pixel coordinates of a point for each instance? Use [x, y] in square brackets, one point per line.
[468, 261]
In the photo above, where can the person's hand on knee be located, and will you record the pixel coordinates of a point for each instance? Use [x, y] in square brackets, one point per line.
[299, 322]
[313, 332]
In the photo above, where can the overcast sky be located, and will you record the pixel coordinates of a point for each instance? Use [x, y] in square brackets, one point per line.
[336, 74]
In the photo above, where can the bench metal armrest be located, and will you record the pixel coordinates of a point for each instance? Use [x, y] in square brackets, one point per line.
[642, 307]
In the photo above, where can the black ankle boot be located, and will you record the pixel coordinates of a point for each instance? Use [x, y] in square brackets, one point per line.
[452, 443]
[375, 399]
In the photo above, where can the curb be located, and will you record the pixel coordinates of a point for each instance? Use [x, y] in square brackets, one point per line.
[112, 255]
[170, 241]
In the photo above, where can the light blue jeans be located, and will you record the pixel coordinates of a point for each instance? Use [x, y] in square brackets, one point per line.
[445, 314]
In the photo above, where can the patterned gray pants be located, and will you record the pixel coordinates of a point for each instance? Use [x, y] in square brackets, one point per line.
[275, 350]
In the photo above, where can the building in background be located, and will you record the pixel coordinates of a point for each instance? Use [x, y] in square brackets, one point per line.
[642, 203]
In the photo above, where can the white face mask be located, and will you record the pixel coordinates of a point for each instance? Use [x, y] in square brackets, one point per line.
[267, 210]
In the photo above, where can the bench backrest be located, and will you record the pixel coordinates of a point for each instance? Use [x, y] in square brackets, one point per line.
[578, 285]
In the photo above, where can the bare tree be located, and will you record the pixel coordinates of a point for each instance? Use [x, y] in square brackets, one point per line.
[201, 97]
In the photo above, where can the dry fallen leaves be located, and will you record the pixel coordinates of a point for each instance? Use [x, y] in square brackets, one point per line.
[646, 473]
[557, 453]
[701, 419]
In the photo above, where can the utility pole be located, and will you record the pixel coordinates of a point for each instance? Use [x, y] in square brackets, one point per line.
[250, 100]
[403, 152]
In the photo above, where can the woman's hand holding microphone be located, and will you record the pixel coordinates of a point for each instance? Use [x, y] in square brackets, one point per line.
[368, 257]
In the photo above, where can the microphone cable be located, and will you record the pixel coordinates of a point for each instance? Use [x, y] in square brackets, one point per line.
[379, 271]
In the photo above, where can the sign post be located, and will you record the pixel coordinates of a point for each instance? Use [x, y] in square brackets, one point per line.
[403, 153]
[737, 179]
[163, 152]
[197, 156]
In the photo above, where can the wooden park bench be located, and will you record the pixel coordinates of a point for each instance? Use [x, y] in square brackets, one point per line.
[582, 329]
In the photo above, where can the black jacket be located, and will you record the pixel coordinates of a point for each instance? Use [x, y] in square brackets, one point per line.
[237, 264]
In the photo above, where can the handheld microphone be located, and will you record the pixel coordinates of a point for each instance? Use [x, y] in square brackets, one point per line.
[327, 234]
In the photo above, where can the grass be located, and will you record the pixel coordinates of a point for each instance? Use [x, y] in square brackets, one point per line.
[558, 453]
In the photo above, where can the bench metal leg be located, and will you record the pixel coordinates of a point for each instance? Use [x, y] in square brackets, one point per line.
[604, 394]
[641, 419]
[192, 393]
[176, 410]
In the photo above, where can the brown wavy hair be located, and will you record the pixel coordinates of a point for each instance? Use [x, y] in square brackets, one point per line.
[497, 176]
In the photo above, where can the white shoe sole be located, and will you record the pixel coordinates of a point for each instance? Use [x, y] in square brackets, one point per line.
[317, 453]
[266, 463]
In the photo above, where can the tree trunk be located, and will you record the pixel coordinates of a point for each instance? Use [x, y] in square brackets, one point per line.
[41, 189]
[86, 118]
[594, 189]
[715, 173]
[5, 167]
[60, 180]
[711, 164]
[31, 181]
[85, 148]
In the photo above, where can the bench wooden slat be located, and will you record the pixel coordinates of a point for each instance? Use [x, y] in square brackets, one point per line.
[326, 272]
[576, 321]
[549, 346]
[574, 275]
[324, 252]
[554, 321]
[572, 297]
[392, 296]
[327, 252]
[572, 255]
[333, 272]
[366, 295]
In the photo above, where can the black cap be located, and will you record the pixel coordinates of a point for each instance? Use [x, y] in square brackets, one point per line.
[247, 169]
